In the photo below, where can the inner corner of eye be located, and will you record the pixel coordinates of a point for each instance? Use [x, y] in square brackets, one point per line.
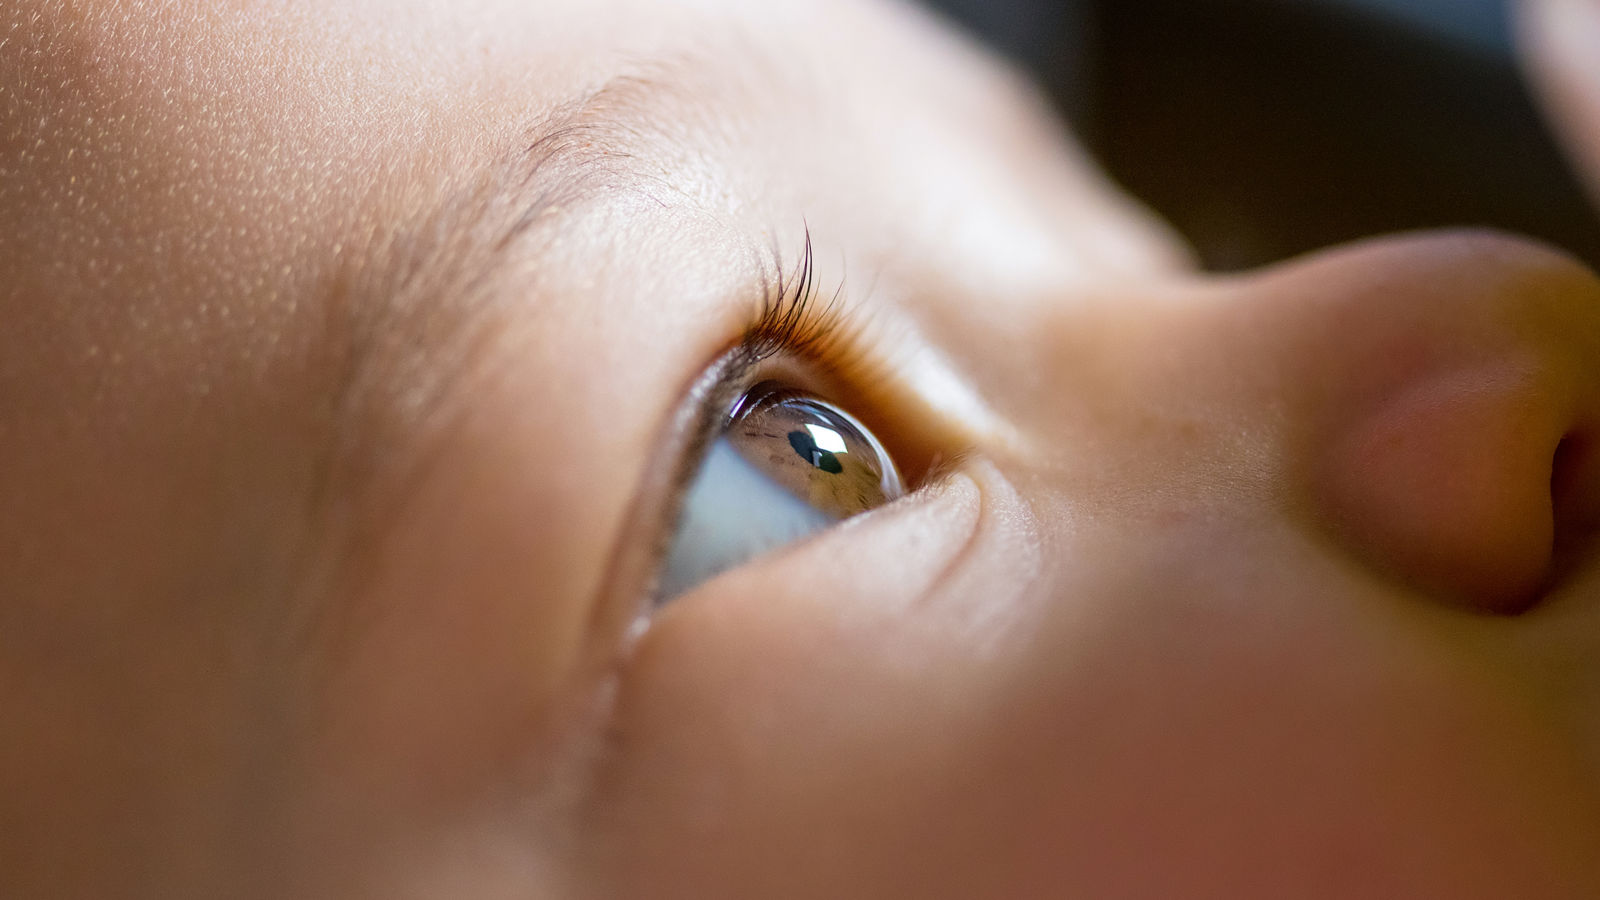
[786, 464]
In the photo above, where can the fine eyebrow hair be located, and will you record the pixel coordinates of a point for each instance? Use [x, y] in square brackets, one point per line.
[419, 288]
[411, 312]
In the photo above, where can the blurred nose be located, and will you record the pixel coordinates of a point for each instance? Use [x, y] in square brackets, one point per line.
[1446, 394]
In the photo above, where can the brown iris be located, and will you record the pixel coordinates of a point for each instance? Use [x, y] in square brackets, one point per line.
[814, 450]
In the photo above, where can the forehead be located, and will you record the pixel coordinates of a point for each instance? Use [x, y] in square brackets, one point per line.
[235, 140]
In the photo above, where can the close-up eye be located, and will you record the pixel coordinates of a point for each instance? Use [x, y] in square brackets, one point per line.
[785, 464]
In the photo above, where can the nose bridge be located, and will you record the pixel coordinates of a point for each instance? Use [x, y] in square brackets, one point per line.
[1358, 325]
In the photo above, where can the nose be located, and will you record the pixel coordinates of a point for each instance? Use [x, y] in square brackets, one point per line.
[1446, 394]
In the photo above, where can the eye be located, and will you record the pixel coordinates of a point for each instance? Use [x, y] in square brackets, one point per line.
[787, 464]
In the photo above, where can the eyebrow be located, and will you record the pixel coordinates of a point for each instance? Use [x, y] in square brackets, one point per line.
[408, 314]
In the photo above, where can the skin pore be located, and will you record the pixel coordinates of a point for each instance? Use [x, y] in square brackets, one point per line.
[343, 400]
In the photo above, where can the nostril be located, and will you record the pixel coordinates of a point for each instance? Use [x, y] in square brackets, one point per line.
[1564, 473]
[1573, 479]
[1574, 499]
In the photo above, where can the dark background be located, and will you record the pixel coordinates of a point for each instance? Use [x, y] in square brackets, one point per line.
[1265, 128]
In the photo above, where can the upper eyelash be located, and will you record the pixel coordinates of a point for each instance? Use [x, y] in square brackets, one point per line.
[791, 321]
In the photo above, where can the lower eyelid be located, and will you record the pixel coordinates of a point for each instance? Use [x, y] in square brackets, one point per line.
[892, 555]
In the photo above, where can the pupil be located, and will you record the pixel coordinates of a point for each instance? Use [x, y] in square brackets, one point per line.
[806, 447]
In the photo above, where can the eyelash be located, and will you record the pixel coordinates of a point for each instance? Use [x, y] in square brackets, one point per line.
[791, 323]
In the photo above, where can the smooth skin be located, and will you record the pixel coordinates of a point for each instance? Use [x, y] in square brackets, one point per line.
[341, 386]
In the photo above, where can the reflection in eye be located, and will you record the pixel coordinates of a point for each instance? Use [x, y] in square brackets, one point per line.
[786, 465]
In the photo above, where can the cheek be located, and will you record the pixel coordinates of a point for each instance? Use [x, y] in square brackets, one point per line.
[1278, 734]
[1116, 733]
[783, 712]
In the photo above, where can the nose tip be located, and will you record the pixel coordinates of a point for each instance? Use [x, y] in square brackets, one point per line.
[1449, 482]
[1458, 389]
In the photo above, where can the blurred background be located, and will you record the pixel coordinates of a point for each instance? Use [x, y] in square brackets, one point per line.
[1265, 128]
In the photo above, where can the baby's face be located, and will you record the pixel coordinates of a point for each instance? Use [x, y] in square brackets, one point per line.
[357, 361]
